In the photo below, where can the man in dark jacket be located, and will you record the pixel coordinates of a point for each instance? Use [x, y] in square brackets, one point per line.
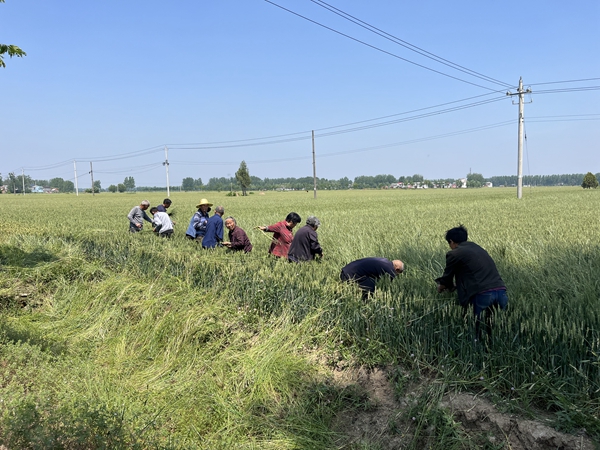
[305, 245]
[366, 271]
[477, 280]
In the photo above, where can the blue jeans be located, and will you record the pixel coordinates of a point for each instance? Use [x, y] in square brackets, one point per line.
[487, 302]
[489, 299]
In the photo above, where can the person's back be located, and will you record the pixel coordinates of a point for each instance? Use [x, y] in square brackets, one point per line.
[305, 244]
[372, 267]
[214, 229]
[478, 281]
[366, 271]
[474, 270]
[162, 223]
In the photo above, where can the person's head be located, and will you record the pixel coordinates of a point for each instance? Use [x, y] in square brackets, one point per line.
[313, 222]
[167, 202]
[144, 205]
[230, 223]
[455, 236]
[153, 210]
[220, 210]
[398, 266]
[204, 205]
[292, 220]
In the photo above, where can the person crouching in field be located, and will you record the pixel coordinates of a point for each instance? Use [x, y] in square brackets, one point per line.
[214, 229]
[197, 228]
[477, 279]
[164, 205]
[161, 223]
[305, 245]
[238, 239]
[282, 235]
[366, 271]
[137, 215]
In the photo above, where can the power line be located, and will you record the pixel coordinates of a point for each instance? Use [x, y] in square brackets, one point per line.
[577, 89]
[323, 155]
[566, 81]
[377, 48]
[333, 133]
[406, 44]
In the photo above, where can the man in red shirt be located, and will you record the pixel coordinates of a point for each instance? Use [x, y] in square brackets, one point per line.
[282, 235]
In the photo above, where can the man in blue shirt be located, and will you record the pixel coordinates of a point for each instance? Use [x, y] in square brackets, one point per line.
[214, 229]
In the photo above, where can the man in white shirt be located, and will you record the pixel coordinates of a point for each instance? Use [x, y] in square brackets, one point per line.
[161, 223]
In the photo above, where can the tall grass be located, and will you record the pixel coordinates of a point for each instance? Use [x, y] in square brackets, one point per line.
[118, 340]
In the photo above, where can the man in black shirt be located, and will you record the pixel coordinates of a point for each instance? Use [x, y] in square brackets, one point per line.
[305, 245]
[477, 280]
[366, 271]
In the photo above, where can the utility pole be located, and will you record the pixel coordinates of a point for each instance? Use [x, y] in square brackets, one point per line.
[76, 187]
[521, 93]
[314, 166]
[23, 178]
[92, 174]
[166, 164]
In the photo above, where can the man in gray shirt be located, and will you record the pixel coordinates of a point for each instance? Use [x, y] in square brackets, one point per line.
[137, 215]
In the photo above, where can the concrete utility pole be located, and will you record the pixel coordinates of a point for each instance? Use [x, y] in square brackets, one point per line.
[92, 174]
[314, 165]
[23, 178]
[521, 93]
[75, 169]
[166, 164]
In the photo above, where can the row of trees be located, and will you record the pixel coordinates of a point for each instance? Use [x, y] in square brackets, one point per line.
[244, 181]
[474, 180]
[15, 183]
[573, 179]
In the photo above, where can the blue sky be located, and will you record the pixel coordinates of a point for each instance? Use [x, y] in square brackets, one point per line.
[223, 81]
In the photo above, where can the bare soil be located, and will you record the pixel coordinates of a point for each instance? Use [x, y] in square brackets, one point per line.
[385, 424]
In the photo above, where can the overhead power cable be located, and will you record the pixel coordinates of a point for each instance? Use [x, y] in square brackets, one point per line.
[577, 89]
[566, 81]
[348, 130]
[323, 155]
[377, 48]
[406, 44]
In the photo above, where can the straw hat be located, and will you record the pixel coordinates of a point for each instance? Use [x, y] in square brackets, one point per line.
[203, 202]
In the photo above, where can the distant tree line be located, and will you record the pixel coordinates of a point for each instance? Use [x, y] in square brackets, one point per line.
[573, 179]
[15, 183]
[376, 182]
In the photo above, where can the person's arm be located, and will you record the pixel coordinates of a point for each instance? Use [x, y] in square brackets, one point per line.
[197, 221]
[269, 228]
[315, 247]
[219, 231]
[446, 281]
[131, 214]
[156, 224]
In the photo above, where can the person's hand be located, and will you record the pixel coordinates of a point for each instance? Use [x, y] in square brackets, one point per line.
[441, 288]
[139, 225]
[227, 244]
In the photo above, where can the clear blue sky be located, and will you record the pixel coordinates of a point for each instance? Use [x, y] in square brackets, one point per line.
[105, 79]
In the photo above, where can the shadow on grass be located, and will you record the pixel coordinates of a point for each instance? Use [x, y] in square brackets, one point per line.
[15, 257]
[34, 338]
